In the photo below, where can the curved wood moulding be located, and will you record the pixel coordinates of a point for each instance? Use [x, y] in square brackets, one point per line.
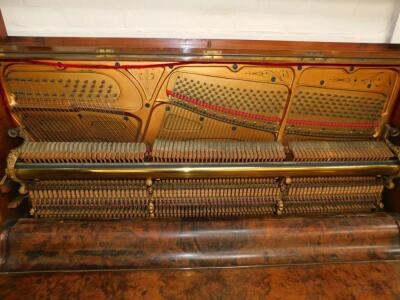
[39, 245]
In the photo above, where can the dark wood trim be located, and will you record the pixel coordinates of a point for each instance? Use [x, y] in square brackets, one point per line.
[3, 29]
[166, 43]
[395, 118]
[199, 46]
[121, 43]
[303, 47]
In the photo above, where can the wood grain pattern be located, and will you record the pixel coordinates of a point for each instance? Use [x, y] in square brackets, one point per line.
[336, 281]
[35, 244]
[6, 144]
[395, 117]
[148, 46]
[3, 29]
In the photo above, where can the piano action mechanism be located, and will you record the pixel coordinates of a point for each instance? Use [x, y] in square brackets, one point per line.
[153, 146]
[200, 140]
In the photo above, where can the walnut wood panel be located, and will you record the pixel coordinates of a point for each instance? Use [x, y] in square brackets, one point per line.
[293, 48]
[36, 45]
[395, 118]
[6, 144]
[34, 244]
[391, 198]
[336, 281]
[3, 29]
[149, 44]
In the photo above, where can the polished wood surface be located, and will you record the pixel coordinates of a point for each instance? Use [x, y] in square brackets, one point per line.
[333, 281]
[119, 43]
[3, 29]
[150, 46]
[395, 118]
[6, 144]
[40, 244]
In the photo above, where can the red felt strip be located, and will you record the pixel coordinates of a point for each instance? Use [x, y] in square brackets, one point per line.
[265, 118]
[200, 102]
[222, 109]
[62, 65]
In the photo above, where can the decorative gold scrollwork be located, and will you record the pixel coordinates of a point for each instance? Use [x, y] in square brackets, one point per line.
[10, 171]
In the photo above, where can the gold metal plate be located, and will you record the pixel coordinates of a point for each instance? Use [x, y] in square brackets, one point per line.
[67, 126]
[38, 86]
[213, 101]
[337, 102]
[246, 103]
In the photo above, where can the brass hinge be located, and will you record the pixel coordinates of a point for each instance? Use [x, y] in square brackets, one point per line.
[105, 52]
[212, 52]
